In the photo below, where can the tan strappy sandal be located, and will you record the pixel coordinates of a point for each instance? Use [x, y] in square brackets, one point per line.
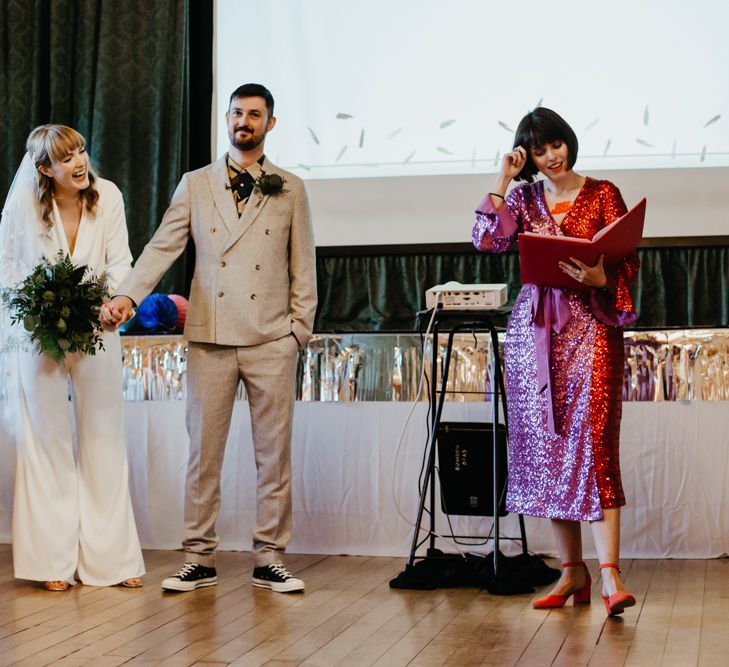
[56, 586]
[131, 583]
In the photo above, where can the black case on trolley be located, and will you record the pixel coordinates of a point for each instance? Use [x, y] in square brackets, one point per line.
[466, 468]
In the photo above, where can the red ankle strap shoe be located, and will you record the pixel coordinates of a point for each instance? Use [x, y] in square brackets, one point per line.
[617, 602]
[580, 596]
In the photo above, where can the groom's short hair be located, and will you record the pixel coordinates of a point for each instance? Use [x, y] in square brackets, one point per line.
[253, 90]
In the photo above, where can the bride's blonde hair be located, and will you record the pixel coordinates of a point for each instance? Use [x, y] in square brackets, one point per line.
[51, 143]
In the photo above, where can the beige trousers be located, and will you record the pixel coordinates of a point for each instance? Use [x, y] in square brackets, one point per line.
[268, 372]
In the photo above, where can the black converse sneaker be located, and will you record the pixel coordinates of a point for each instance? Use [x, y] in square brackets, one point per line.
[277, 578]
[190, 577]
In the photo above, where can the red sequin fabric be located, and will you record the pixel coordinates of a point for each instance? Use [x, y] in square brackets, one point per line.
[573, 473]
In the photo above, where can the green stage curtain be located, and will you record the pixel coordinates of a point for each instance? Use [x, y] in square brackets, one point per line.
[677, 286]
[120, 73]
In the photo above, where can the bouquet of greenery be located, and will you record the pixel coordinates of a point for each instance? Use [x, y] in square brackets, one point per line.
[59, 308]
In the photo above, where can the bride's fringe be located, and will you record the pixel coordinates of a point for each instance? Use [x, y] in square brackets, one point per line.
[51, 143]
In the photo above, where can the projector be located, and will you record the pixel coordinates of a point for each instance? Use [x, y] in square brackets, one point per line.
[455, 296]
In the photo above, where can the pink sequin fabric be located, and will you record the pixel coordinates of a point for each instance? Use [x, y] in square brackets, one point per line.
[571, 469]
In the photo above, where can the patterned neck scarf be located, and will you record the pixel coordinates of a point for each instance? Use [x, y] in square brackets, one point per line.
[241, 183]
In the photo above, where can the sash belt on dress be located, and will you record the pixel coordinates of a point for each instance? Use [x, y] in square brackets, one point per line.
[550, 312]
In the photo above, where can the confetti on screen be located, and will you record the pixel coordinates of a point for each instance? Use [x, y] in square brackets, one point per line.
[409, 157]
[692, 113]
[702, 157]
[301, 165]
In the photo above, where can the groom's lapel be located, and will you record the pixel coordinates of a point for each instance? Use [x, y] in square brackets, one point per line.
[253, 207]
[219, 181]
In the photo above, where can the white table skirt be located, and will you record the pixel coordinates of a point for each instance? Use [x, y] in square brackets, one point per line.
[675, 463]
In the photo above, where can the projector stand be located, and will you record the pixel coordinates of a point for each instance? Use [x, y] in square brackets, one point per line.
[475, 321]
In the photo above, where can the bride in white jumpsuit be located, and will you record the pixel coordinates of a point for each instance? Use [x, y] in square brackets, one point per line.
[72, 512]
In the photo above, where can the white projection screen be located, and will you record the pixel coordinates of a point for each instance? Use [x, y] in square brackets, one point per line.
[397, 112]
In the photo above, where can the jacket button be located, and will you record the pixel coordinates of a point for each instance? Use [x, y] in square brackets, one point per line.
[268, 232]
[258, 267]
[253, 297]
[212, 229]
[222, 264]
[221, 293]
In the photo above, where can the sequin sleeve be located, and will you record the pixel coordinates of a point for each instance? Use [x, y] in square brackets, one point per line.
[613, 304]
[496, 228]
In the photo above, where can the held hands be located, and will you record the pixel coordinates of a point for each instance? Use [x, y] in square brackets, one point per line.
[115, 312]
[592, 276]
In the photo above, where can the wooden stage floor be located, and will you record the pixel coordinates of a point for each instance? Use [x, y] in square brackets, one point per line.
[350, 616]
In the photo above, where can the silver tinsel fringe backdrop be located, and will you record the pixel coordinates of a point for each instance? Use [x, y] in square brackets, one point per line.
[683, 365]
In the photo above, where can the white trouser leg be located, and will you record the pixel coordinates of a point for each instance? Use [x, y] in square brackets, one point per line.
[109, 549]
[45, 515]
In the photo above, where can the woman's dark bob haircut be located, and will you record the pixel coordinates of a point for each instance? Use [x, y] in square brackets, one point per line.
[539, 127]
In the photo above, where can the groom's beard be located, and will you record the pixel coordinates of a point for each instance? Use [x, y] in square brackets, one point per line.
[248, 144]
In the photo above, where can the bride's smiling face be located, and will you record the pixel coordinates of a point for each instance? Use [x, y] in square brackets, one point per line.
[70, 173]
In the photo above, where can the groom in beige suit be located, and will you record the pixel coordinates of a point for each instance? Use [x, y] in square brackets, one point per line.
[252, 305]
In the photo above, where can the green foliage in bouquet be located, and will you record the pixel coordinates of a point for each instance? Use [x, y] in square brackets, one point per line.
[58, 308]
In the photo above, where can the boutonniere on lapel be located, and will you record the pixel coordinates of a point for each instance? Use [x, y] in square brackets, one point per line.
[270, 185]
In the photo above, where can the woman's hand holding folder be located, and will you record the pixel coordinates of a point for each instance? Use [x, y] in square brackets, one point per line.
[592, 276]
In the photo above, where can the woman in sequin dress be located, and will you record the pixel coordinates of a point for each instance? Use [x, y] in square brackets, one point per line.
[563, 356]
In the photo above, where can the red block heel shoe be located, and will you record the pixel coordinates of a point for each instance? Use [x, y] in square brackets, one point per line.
[617, 602]
[580, 596]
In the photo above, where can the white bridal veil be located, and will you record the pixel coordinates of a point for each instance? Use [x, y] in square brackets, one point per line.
[20, 216]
